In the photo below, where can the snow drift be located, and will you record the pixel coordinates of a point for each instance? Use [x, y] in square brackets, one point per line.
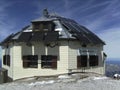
[64, 82]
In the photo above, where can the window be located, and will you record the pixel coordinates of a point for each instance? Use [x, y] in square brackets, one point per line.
[43, 26]
[36, 26]
[93, 60]
[82, 61]
[6, 60]
[88, 57]
[30, 61]
[48, 61]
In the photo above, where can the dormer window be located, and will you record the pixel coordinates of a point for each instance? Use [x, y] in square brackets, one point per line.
[36, 26]
[46, 26]
[43, 26]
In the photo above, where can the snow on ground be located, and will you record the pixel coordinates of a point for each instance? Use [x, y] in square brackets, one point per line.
[98, 78]
[63, 76]
[41, 83]
[65, 82]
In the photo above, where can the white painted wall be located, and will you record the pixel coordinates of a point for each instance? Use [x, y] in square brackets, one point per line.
[39, 48]
[8, 51]
[67, 59]
[73, 53]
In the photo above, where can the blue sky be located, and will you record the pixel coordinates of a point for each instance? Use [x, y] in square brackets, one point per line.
[100, 16]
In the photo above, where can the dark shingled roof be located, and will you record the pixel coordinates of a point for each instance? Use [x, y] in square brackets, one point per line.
[81, 32]
[7, 39]
[38, 36]
[77, 32]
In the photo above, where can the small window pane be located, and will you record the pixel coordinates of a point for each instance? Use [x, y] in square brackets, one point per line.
[93, 60]
[82, 61]
[4, 60]
[49, 61]
[30, 61]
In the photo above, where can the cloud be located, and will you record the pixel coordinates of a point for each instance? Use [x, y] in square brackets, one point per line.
[112, 39]
[67, 11]
[7, 23]
[102, 16]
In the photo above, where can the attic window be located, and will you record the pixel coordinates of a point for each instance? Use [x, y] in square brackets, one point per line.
[36, 26]
[30, 61]
[43, 26]
[49, 61]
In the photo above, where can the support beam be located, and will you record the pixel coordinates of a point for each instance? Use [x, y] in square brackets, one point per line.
[46, 50]
[33, 50]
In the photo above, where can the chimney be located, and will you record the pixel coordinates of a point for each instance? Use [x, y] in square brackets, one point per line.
[45, 13]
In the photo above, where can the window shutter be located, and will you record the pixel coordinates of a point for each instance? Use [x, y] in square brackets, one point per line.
[25, 63]
[35, 57]
[8, 60]
[96, 61]
[24, 58]
[54, 62]
[82, 61]
[93, 60]
[78, 62]
[4, 60]
[43, 57]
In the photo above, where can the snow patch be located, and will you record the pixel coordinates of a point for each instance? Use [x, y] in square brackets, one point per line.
[99, 78]
[27, 31]
[42, 83]
[74, 74]
[91, 83]
[116, 75]
[63, 77]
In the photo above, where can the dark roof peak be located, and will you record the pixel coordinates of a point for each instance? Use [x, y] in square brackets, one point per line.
[45, 13]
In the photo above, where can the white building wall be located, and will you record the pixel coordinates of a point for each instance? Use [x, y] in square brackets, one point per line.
[8, 51]
[73, 53]
[63, 63]
[99, 70]
[67, 59]
[73, 48]
[39, 48]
